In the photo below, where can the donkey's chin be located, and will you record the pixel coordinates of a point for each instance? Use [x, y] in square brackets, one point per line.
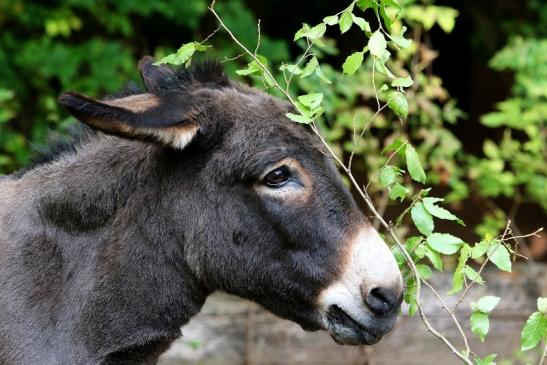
[345, 330]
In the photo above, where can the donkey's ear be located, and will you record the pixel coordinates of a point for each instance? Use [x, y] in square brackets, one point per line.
[156, 77]
[140, 116]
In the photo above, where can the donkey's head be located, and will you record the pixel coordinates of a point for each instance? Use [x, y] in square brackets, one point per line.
[261, 210]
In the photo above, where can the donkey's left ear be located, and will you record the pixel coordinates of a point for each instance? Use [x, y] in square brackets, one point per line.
[143, 116]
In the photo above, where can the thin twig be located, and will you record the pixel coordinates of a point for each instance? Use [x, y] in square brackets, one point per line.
[210, 35]
[258, 39]
[474, 280]
[542, 359]
[360, 191]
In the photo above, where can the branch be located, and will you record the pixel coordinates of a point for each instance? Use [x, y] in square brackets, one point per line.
[362, 192]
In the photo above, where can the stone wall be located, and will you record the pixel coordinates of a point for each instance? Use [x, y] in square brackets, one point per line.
[231, 331]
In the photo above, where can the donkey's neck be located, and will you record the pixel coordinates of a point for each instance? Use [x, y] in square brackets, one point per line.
[98, 238]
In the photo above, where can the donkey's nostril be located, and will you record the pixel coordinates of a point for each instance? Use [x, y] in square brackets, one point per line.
[382, 301]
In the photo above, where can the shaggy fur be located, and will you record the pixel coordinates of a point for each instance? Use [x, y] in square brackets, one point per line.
[108, 247]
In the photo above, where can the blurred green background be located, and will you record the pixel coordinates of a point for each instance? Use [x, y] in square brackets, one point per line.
[478, 109]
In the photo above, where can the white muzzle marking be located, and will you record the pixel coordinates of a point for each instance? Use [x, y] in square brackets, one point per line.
[369, 264]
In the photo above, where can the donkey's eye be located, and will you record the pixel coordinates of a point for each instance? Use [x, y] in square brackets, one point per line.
[278, 177]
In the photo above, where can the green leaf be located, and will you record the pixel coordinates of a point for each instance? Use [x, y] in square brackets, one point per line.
[293, 69]
[345, 21]
[320, 74]
[315, 32]
[388, 174]
[377, 44]
[402, 82]
[401, 41]
[366, 4]
[422, 219]
[331, 20]
[472, 275]
[424, 271]
[398, 191]
[311, 100]
[480, 324]
[361, 23]
[436, 211]
[542, 305]
[488, 360]
[485, 304]
[410, 297]
[310, 67]
[444, 243]
[480, 249]
[352, 63]
[434, 257]
[458, 277]
[533, 331]
[300, 33]
[299, 118]
[397, 102]
[183, 54]
[499, 255]
[413, 164]
[397, 144]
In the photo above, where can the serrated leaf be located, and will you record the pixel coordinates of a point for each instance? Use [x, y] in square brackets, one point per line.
[485, 304]
[299, 118]
[366, 4]
[252, 68]
[410, 297]
[361, 23]
[436, 211]
[394, 146]
[444, 243]
[388, 174]
[402, 82]
[499, 255]
[480, 324]
[424, 271]
[422, 219]
[293, 69]
[402, 42]
[320, 74]
[310, 67]
[311, 100]
[542, 305]
[434, 257]
[398, 191]
[459, 276]
[345, 21]
[534, 330]
[352, 63]
[300, 33]
[413, 165]
[183, 54]
[488, 360]
[472, 275]
[397, 102]
[315, 32]
[480, 249]
[377, 44]
[331, 20]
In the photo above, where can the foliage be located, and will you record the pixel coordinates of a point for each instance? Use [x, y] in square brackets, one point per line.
[381, 109]
[323, 93]
[92, 47]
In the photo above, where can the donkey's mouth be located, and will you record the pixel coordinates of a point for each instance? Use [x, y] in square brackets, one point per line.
[347, 331]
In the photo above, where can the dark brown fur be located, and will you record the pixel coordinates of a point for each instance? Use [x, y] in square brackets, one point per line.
[108, 248]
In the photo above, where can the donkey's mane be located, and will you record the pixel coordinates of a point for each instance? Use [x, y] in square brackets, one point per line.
[206, 73]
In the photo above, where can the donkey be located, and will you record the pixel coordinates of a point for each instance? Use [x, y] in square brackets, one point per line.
[196, 184]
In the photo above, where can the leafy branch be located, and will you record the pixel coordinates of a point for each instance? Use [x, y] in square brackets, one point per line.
[423, 209]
